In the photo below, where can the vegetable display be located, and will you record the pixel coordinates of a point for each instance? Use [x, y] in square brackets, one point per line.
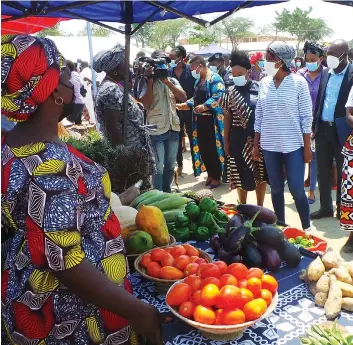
[330, 280]
[301, 241]
[213, 295]
[249, 239]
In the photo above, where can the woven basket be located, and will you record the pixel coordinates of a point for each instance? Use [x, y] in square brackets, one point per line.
[163, 285]
[132, 257]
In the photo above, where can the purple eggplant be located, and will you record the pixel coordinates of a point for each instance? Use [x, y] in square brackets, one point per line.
[269, 235]
[252, 256]
[270, 257]
[225, 256]
[215, 243]
[236, 259]
[265, 215]
[236, 221]
[290, 254]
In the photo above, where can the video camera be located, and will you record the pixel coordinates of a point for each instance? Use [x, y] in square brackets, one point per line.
[159, 65]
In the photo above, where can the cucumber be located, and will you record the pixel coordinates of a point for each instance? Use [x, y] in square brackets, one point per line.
[154, 198]
[170, 216]
[171, 203]
[145, 201]
[143, 197]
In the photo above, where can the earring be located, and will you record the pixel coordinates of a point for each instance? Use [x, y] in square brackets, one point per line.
[115, 73]
[57, 101]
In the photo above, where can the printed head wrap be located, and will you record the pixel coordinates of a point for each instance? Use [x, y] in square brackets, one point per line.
[283, 51]
[314, 48]
[108, 60]
[30, 72]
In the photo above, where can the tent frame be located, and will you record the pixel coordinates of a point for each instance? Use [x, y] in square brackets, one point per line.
[40, 8]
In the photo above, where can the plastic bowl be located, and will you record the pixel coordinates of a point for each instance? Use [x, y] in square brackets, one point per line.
[220, 332]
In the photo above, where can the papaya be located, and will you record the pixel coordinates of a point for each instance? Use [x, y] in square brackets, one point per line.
[151, 220]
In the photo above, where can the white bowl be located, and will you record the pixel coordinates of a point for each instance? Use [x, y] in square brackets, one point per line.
[220, 332]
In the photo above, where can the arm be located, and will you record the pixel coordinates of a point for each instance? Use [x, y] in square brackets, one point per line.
[224, 103]
[177, 90]
[112, 119]
[217, 90]
[147, 98]
[75, 81]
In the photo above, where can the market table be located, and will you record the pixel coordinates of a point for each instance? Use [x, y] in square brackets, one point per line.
[295, 313]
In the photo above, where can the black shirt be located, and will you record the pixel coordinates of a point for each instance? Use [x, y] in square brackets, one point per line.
[227, 78]
[186, 80]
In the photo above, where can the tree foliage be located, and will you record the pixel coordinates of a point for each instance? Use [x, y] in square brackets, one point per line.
[299, 24]
[97, 31]
[54, 31]
[143, 35]
[202, 36]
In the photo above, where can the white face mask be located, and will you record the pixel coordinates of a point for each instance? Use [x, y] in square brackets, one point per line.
[195, 74]
[270, 68]
[213, 69]
[240, 80]
[333, 61]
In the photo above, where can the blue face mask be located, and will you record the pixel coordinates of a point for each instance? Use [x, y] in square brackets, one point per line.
[172, 64]
[261, 63]
[214, 69]
[239, 81]
[195, 74]
[312, 66]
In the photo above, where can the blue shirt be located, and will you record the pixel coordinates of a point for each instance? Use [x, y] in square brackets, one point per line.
[331, 95]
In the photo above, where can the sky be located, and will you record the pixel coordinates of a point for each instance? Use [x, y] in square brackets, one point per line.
[338, 17]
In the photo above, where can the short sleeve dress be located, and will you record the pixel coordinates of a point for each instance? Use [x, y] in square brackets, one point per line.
[55, 206]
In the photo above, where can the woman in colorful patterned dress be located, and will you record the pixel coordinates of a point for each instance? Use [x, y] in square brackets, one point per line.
[239, 103]
[347, 178]
[257, 67]
[64, 274]
[208, 122]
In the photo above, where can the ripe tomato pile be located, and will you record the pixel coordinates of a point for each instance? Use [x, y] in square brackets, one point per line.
[218, 294]
[172, 263]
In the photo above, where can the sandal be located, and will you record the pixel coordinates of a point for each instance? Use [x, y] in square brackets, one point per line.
[208, 182]
[214, 185]
[312, 201]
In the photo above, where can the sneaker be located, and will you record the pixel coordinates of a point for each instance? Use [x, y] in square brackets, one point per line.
[321, 213]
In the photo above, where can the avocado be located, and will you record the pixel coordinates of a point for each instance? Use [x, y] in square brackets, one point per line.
[139, 242]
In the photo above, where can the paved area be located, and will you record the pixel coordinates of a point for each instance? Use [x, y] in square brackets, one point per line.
[327, 228]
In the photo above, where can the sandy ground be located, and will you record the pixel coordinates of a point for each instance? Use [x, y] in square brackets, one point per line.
[327, 228]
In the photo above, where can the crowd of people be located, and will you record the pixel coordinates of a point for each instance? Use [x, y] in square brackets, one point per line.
[254, 122]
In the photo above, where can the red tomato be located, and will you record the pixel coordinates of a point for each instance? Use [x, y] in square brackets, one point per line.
[222, 266]
[254, 285]
[194, 258]
[254, 309]
[228, 298]
[232, 317]
[210, 280]
[246, 296]
[145, 260]
[168, 249]
[204, 315]
[238, 270]
[167, 260]
[191, 250]
[187, 309]
[209, 295]
[196, 297]
[179, 294]
[201, 267]
[255, 272]
[242, 283]
[200, 261]
[211, 270]
[178, 251]
[154, 269]
[218, 314]
[269, 283]
[181, 262]
[191, 269]
[194, 281]
[228, 279]
[157, 254]
[266, 295]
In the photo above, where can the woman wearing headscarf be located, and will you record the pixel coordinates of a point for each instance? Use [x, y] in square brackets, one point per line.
[110, 109]
[238, 104]
[64, 274]
[257, 67]
[313, 54]
[283, 121]
[208, 122]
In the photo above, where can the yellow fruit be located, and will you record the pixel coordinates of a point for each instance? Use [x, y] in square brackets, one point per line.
[127, 230]
[151, 220]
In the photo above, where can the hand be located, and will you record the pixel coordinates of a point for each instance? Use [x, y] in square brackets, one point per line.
[147, 322]
[149, 72]
[129, 195]
[180, 106]
[308, 156]
[227, 147]
[256, 153]
[165, 81]
[199, 109]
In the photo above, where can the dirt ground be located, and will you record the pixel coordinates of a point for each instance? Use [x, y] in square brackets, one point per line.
[327, 228]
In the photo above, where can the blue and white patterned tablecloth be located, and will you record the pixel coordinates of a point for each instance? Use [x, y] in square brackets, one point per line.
[296, 312]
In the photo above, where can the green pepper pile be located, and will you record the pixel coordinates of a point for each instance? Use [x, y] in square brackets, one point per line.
[301, 241]
[198, 222]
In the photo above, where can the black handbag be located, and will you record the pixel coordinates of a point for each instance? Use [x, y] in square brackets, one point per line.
[83, 91]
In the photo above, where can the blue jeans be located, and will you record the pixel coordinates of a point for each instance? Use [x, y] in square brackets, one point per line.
[166, 149]
[295, 167]
[313, 172]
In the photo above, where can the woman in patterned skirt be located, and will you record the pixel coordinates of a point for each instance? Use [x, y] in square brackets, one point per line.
[239, 103]
[347, 178]
[64, 274]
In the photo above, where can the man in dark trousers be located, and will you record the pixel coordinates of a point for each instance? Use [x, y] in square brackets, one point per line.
[330, 127]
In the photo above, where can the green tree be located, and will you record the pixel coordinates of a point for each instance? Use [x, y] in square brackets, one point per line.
[143, 35]
[236, 29]
[202, 36]
[299, 24]
[97, 31]
[54, 31]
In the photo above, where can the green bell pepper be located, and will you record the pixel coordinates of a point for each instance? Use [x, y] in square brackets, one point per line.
[220, 216]
[202, 233]
[181, 234]
[182, 220]
[208, 205]
[193, 211]
[207, 220]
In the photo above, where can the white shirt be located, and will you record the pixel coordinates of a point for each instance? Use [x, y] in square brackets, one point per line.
[76, 82]
[283, 114]
[350, 99]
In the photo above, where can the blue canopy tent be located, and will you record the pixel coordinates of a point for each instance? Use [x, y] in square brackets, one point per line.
[127, 12]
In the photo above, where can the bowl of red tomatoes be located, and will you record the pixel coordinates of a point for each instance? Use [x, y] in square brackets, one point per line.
[223, 302]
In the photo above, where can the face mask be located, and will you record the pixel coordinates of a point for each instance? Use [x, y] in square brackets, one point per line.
[239, 81]
[195, 74]
[214, 69]
[172, 64]
[270, 68]
[261, 64]
[298, 63]
[312, 66]
[333, 61]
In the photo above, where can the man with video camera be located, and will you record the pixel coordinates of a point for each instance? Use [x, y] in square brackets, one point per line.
[159, 96]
